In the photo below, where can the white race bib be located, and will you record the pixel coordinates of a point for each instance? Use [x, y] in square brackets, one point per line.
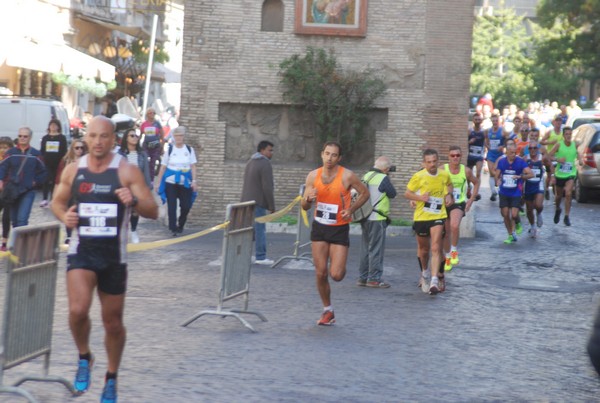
[566, 167]
[434, 205]
[98, 219]
[52, 146]
[508, 181]
[326, 213]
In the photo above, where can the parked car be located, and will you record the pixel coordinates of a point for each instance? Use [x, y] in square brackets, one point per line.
[587, 138]
[586, 116]
[35, 113]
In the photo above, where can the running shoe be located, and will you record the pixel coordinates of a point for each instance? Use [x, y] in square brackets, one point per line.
[567, 221]
[539, 220]
[434, 288]
[109, 393]
[83, 378]
[378, 284]
[361, 282]
[521, 211]
[447, 264]
[519, 228]
[327, 319]
[509, 240]
[423, 284]
[547, 195]
[533, 232]
[557, 215]
[135, 238]
[514, 236]
[442, 283]
[478, 197]
[493, 197]
[44, 203]
[454, 257]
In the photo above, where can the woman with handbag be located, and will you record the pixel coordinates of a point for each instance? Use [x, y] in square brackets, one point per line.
[21, 171]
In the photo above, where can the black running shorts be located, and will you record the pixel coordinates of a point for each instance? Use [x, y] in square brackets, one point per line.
[335, 234]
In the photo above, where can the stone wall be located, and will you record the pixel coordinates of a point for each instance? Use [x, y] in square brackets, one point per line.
[231, 97]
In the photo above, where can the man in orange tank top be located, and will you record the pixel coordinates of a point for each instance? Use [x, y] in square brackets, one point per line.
[329, 186]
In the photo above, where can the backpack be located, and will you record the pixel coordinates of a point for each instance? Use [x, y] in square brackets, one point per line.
[363, 213]
[171, 149]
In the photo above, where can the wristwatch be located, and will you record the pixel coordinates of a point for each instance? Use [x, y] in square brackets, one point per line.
[134, 202]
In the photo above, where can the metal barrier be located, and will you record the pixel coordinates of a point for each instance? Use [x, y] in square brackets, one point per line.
[29, 303]
[235, 266]
[302, 236]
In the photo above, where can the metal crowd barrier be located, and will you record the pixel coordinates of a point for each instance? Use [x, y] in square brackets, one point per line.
[236, 260]
[31, 270]
[302, 236]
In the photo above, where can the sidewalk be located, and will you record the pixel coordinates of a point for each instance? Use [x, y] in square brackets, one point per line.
[511, 326]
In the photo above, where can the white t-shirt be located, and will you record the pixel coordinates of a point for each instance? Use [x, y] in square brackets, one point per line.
[179, 160]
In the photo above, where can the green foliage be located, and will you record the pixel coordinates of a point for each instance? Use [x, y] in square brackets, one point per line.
[141, 52]
[500, 63]
[337, 100]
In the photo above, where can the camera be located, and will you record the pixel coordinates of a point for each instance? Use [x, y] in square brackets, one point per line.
[392, 168]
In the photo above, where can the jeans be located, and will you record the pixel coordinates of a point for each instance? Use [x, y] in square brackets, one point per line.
[184, 195]
[21, 209]
[260, 234]
[372, 248]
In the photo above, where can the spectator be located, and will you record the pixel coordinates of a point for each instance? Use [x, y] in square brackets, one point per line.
[153, 140]
[53, 148]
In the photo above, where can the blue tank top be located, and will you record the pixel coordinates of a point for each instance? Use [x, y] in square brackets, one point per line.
[496, 140]
[535, 184]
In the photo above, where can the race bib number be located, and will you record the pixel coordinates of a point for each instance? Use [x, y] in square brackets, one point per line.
[326, 213]
[537, 175]
[566, 167]
[150, 131]
[434, 205]
[456, 194]
[476, 150]
[509, 182]
[98, 220]
[494, 144]
[52, 146]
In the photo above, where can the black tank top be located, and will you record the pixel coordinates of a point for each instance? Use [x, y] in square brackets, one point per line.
[103, 219]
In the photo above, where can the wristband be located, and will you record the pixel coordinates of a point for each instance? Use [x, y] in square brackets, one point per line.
[134, 202]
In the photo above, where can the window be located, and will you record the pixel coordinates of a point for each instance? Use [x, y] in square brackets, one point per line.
[272, 16]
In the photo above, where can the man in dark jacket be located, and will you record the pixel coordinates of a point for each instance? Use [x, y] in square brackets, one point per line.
[258, 186]
[23, 166]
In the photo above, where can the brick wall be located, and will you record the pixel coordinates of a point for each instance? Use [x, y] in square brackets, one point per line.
[423, 48]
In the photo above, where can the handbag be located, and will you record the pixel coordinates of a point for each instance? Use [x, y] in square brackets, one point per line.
[10, 191]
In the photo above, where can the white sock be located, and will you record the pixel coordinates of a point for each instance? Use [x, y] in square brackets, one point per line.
[453, 249]
[493, 185]
[328, 308]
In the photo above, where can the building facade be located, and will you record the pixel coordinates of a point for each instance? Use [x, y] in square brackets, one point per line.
[231, 97]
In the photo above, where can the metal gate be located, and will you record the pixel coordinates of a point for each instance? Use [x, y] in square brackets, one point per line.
[29, 302]
[235, 266]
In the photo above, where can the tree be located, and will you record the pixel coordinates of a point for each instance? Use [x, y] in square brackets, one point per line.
[578, 44]
[338, 100]
[500, 62]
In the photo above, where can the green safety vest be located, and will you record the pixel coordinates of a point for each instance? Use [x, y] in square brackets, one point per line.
[374, 180]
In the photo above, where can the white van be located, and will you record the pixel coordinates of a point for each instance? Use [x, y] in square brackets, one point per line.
[35, 113]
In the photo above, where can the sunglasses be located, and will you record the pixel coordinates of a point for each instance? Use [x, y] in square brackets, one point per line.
[454, 155]
[78, 148]
[133, 135]
[23, 137]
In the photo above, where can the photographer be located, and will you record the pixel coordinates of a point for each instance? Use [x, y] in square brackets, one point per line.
[374, 227]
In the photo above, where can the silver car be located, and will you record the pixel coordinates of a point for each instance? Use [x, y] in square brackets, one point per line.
[587, 138]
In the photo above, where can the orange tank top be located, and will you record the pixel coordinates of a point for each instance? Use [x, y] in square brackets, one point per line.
[332, 198]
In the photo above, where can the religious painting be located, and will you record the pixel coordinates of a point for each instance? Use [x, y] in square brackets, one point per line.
[331, 17]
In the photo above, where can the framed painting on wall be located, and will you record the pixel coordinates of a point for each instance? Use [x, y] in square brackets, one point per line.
[331, 17]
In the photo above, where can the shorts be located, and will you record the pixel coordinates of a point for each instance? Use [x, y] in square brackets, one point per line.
[423, 228]
[472, 161]
[562, 182]
[531, 196]
[111, 276]
[509, 201]
[492, 157]
[460, 206]
[335, 234]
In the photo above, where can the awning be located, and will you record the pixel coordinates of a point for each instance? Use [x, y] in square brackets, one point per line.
[54, 58]
[136, 31]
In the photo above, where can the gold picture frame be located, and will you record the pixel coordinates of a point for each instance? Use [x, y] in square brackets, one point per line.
[331, 17]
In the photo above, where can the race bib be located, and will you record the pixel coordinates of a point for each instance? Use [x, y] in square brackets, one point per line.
[456, 194]
[434, 205]
[508, 181]
[150, 131]
[476, 150]
[566, 167]
[98, 220]
[326, 213]
[537, 175]
[494, 144]
[52, 146]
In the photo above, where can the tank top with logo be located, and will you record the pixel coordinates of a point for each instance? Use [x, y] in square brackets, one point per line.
[332, 198]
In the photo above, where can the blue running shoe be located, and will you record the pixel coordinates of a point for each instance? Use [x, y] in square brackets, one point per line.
[109, 394]
[83, 378]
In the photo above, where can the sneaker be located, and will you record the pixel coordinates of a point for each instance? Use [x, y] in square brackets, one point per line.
[567, 221]
[519, 228]
[265, 261]
[174, 233]
[539, 220]
[454, 257]
[533, 232]
[44, 203]
[478, 197]
[423, 284]
[109, 393]
[434, 288]
[547, 195]
[447, 264]
[442, 283]
[509, 240]
[135, 238]
[179, 230]
[557, 215]
[327, 319]
[361, 282]
[514, 236]
[521, 211]
[378, 284]
[493, 197]
[83, 377]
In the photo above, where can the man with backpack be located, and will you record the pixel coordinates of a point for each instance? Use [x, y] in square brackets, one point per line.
[375, 224]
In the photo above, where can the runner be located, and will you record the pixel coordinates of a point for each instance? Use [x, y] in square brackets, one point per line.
[510, 173]
[476, 139]
[534, 187]
[461, 178]
[494, 144]
[550, 139]
[431, 190]
[330, 187]
[566, 154]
